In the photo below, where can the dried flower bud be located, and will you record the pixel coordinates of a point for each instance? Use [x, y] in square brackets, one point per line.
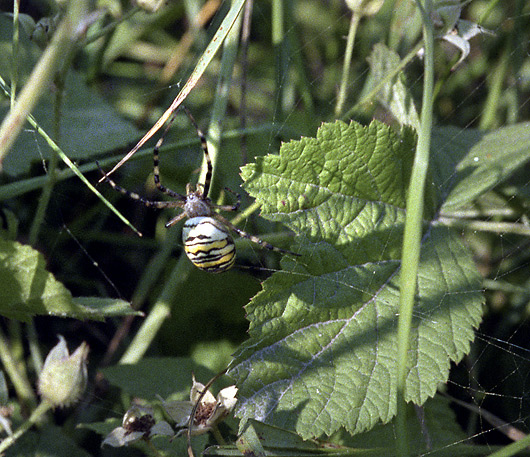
[138, 423]
[210, 411]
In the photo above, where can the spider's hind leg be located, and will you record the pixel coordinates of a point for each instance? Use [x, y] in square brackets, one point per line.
[253, 238]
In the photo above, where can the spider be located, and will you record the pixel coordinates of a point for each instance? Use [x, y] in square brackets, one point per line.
[206, 233]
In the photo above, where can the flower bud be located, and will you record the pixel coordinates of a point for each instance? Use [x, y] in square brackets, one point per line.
[365, 7]
[151, 6]
[63, 377]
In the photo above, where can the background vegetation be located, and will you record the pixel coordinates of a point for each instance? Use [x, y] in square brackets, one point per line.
[120, 70]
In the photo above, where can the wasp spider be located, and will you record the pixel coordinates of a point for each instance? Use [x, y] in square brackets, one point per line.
[206, 234]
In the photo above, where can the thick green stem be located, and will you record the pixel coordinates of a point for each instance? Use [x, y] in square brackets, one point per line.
[413, 228]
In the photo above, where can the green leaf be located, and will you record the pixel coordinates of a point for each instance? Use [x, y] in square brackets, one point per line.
[322, 348]
[436, 416]
[89, 125]
[157, 376]
[434, 431]
[28, 289]
[100, 308]
[469, 162]
[49, 441]
[394, 96]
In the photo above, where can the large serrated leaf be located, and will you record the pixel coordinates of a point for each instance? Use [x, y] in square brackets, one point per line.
[437, 418]
[322, 352]
[28, 289]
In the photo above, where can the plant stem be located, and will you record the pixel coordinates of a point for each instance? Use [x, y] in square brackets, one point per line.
[37, 413]
[160, 312]
[281, 66]
[14, 60]
[222, 91]
[20, 382]
[485, 226]
[44, 199]
[354, 23]
[496, 78]
[413, 228]
[41, 75]
[513, 449]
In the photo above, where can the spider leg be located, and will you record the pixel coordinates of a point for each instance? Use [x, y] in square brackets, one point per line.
[253, 238]
[156, 168]
[234, 207]
[204, 146]
[176, 219]
[135, 196]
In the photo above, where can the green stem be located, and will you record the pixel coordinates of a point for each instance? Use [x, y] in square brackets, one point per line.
[496, 79]
[246, 213]
[34, 347]
[42, 409]
[413, 229]
[354, 23]
[44, 199]
[228, 60]
[485, 226]
[41, 75]
[513, 449]
[217, 435]
[160, 312]
[20, 382]
[15, 57]
[281, 67]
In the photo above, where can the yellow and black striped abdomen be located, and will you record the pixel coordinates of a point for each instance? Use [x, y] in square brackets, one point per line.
[208, 244]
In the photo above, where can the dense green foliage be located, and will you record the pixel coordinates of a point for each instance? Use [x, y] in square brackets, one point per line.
[322, 150]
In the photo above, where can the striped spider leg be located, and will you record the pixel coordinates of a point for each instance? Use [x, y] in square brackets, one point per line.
[206, 234]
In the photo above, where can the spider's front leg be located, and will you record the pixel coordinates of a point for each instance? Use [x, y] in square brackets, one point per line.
[176, 219]
[233, 207]
[134, 196]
